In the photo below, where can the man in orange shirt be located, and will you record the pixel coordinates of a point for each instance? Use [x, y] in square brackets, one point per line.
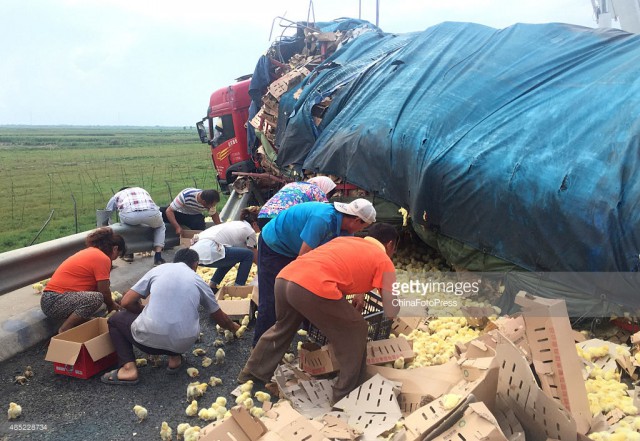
[313, 287]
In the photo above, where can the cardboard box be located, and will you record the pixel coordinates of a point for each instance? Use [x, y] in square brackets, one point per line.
[389, 350]
[554, 355]
[404, 325]
[240, 427]
[83, 351]
[421, 385]
[285, 424]
[541, 416]
[307, 395]
[186, 236]
[372, 408]
[477, 424]
[316, 360]
[238, 308]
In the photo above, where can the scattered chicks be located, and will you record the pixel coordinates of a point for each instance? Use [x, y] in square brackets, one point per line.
[193, 372]
[220, 356]
[165, 432]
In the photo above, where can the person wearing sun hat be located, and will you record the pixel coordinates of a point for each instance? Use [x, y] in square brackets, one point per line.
[319, 189]
[296, 231]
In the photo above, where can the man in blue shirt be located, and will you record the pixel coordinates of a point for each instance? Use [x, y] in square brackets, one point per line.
[296, 231]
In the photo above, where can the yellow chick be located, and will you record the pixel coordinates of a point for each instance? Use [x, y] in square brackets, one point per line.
[28, 372]
[140, 362]
[299, 346]
[241, 330]
[399, 363]
[215, 381]
[449, 401]
[198, 352]
[207, 414]
[257, 412]
[220, 356]
[140, 412]
[192, 372]
[228, 335]
[181, 429]
[193, 391]
[245, 321]
[192, 409]
[262, 396]
[192, 433]
[243, 396]
[206, 362]
[248, 403]
[221, 401]
[165, 432]
[15, 410]
[302, 333]
[38, 287]
[289, 357]
[247, 386]
[219, 329]
[218, 343]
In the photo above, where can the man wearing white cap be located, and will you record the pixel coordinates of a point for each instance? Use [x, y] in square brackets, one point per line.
[296, 231]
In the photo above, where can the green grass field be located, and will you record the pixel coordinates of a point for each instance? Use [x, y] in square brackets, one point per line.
[45, 169]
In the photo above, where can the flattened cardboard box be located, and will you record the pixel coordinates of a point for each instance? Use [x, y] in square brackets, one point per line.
[404, 325]
[286, 424]
[82, 351]
[237, 307]
[240, 427]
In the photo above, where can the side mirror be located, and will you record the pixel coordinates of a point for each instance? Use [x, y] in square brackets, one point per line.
[202, 132]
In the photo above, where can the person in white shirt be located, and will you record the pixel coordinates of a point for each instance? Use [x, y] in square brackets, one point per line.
[169, 324]
[224, 246]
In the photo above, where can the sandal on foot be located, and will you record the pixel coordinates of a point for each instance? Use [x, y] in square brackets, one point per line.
[112, 378]
[176, 369]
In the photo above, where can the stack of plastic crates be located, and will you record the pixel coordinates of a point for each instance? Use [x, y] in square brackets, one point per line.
[379, 325]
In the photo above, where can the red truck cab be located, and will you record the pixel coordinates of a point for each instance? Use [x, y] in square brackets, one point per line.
[226, 131]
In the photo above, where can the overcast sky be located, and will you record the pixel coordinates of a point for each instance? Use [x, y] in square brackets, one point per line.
[155, 62]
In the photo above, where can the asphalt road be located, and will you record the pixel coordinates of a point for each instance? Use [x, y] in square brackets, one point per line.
[57, 407]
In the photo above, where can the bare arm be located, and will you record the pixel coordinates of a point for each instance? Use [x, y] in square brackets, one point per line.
[104, 287]
[224, 321]
[131, 302]
[304, 249]
[389, 303]
[172, 220]
[216, 218]
[255, 255]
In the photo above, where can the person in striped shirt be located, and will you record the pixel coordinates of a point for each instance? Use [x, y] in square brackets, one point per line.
[187, 208]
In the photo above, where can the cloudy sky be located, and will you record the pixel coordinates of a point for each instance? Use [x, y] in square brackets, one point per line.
[155, 62]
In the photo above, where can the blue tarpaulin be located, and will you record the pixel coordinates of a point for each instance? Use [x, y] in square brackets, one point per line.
[521, 142]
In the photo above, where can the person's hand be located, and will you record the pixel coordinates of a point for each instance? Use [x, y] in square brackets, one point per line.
[179, 230]
[358, 302]
[114, 307]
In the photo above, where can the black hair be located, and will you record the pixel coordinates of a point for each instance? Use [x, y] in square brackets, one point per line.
[105, 239]
[123, 188]
[210, 196]
[186, 255]
[383, 232]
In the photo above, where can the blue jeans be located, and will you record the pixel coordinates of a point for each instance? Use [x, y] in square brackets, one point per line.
[232, 256]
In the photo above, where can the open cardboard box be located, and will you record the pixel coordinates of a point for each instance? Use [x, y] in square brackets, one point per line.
[421, 385]
[242, 426]
[316, 360]
[186, 236]
[238, 308]
[477, 424]
[554, 355]
[82, 351]
[389, 350]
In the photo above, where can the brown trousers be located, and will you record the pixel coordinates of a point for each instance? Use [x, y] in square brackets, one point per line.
[338, 320]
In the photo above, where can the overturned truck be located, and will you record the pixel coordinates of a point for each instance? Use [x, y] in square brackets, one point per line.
[512, 149]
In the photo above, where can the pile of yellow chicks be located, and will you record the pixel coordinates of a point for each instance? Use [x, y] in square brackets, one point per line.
[206, 273]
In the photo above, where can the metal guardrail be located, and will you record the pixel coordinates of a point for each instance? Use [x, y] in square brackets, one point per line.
[24, 266]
